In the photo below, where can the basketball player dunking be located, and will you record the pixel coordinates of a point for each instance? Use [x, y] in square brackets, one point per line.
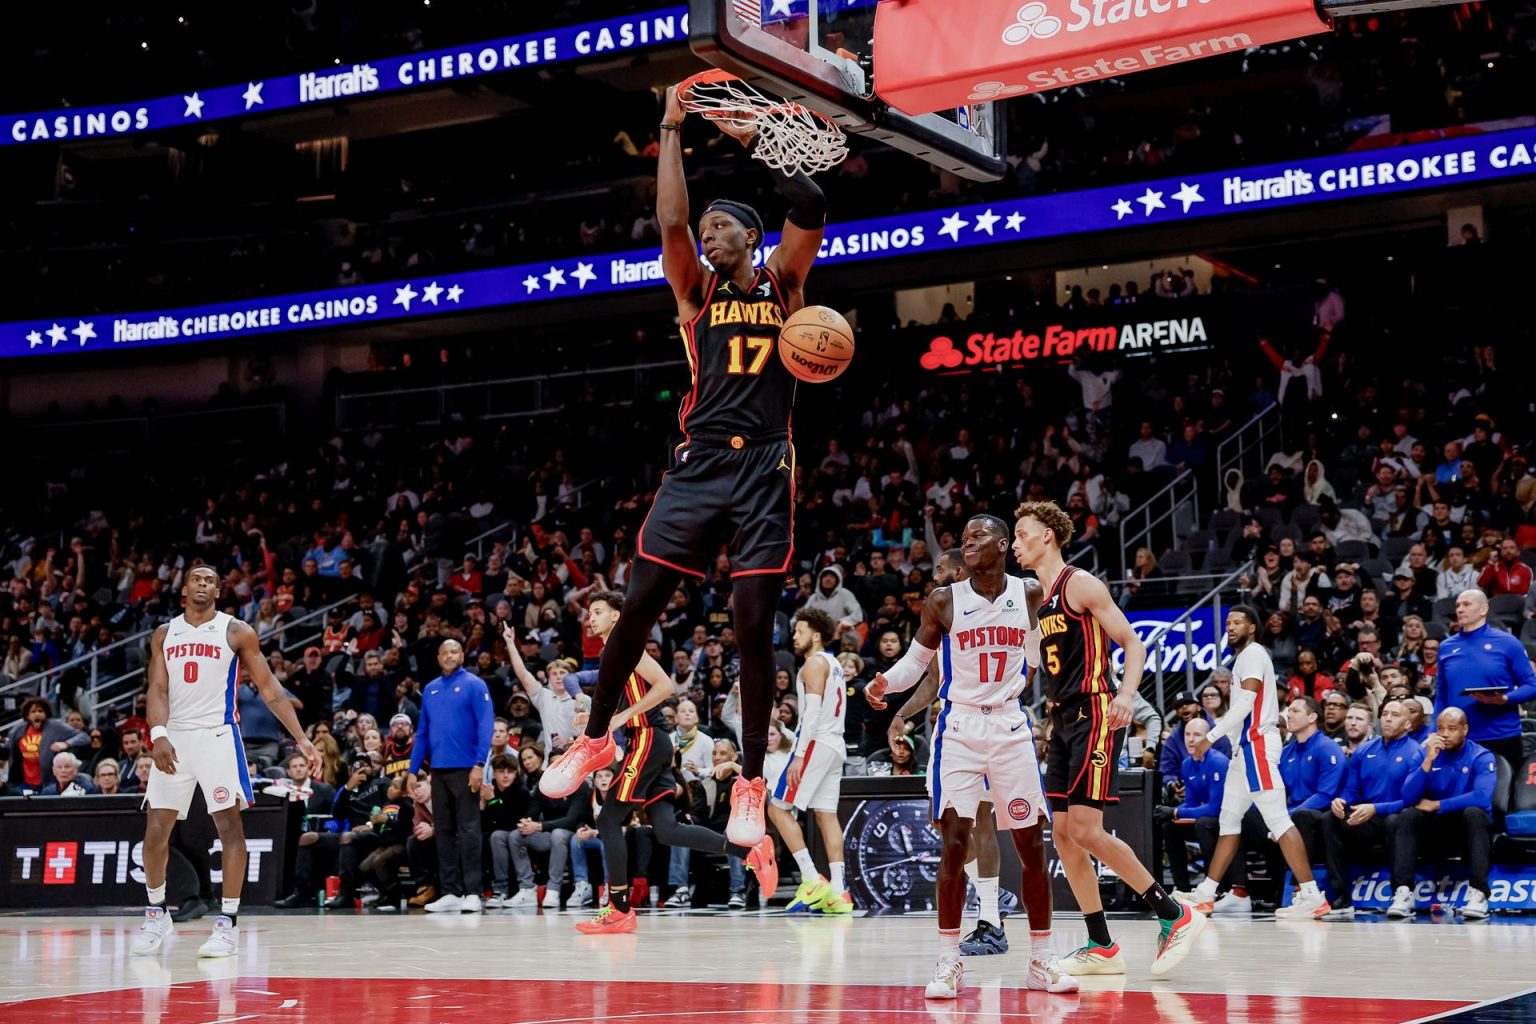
[993, 902]
[982, 741]
[732, 478]
[1077, 622]
[194, 667]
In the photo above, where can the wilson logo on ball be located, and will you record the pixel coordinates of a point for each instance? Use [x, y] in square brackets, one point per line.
[816, 344]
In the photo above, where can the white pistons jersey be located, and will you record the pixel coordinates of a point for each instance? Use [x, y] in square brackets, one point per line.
[984, 655]
[203, 673]
[834, 701]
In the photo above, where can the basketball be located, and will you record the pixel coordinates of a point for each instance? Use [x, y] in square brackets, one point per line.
[816, 344]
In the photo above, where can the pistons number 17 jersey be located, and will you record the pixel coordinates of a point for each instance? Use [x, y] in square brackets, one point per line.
[203, 673]
[984, 654]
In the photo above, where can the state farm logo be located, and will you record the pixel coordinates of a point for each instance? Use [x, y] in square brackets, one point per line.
[1034, 22]
[941, 355]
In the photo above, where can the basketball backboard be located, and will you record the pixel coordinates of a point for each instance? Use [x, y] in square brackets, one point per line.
[820, 53]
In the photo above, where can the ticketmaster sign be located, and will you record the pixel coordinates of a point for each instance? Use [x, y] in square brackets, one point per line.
[1496, 156]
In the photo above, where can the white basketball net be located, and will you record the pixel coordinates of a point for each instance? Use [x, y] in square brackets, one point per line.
[789, 137]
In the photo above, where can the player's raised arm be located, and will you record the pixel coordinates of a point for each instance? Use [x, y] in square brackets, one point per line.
[938, 612]
[679, 250]
[248, 649]
[1090, 594]
[157, 703]
[800, 243]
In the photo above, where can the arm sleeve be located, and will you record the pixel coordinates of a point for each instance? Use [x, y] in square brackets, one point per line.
[807, 203]
[808, 716]
[421, 749]
[730, 714]
[908, 672]
[1521, 673]
[1485, 774]
[1232, 722]
[485, 717]
[1415, 784]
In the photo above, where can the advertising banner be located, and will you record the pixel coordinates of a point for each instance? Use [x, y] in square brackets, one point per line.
[1512, 887]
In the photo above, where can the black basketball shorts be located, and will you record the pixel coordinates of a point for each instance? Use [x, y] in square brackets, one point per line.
[1082, 761]
[733, 491]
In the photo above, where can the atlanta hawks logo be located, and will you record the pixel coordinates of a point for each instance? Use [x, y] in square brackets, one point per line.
[1099, 759]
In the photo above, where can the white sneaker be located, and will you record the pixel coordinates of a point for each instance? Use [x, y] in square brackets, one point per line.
[1094, 960]
[446, 904]
[225, 940]
[1340, 914]
[496, 902]
[1476, 907]
[682, 899]
[581, 896]
[157, 927]
[551, 898]
[1230, 905]
[1046, 974]
[1304, 907]
[948, 979]
[523, 899]
[471, 904]
[1403, 903]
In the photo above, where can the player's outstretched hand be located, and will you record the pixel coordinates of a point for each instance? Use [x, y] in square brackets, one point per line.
[674, 112]
[875, 692]
[164, 755]
[312, 755]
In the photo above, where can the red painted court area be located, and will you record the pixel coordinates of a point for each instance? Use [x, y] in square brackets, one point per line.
[535, 1001]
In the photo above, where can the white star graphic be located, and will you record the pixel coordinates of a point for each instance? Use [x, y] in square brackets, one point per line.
[404, 295]
[431, 292]
[1189, 195]
[34, 339]
[56, 334]
[531, 283]
[1122, 209]
[1152, 201]
[583, 273]
[252, 95]
[555, 277]
[194, 106]
[986, 221]
[952, 225]
[84, 331]
[1015, 221]
[454, 293]
[780, 7]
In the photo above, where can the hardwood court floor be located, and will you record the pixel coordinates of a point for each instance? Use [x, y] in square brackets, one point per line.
[700, 968]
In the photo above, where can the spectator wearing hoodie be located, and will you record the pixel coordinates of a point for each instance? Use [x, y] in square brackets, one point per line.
[835, 599]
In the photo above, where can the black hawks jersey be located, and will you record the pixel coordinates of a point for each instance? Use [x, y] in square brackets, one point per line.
[740, 385]
[1074, 649]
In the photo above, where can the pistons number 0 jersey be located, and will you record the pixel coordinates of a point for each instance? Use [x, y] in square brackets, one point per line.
[203, 673]
[985, 652]
[740, 385]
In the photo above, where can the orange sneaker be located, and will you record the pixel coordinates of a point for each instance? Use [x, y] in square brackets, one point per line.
[761, 861]
[609, 921]
[746, 827]
[570, 769]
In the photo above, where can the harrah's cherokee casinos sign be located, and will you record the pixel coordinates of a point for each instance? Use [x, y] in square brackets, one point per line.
[1125, 330]
[930, 59]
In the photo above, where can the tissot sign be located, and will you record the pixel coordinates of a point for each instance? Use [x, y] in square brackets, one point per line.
[1122, 330]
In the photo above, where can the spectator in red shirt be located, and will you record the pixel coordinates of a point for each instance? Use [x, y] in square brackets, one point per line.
[468, 580]
[1507, 576]
[1308, 681]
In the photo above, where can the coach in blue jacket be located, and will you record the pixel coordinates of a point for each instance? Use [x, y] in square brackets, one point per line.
[1365, 814]
[1312, 766]
[1170, 757]
[1479, 655]
[1204, 778]
[1449, 798]
[453, 734]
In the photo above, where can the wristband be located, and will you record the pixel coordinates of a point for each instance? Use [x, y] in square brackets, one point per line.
[158, 732]
[671, 127]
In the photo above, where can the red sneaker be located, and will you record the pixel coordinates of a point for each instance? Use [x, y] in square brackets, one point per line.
[761, 861]
[746, 827]
[570, 769]
[609, 921]
[639, 891]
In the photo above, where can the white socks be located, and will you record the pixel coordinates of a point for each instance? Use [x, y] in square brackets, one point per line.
[1207, 888]
[986, 894]
[230, 907]
[1039, 945]
[1308, 889]
[156, 895]
[949, 943]
[839, 885]
[805, 864]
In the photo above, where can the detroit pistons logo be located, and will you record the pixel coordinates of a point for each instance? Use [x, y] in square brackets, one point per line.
[1099, 759]
[220, 795]
[1018, 810]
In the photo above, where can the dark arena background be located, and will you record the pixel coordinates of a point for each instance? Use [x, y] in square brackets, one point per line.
[392, 315]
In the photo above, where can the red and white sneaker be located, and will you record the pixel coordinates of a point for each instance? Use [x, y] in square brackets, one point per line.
[609, 921]
[746, 827]
[570, 769]
[1176, 939]
[763, 865]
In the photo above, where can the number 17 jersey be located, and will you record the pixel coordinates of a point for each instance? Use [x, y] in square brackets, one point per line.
[740, 385]
[984, 654]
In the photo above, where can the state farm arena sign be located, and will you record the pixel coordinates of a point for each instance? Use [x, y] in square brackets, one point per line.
[1122, 331]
